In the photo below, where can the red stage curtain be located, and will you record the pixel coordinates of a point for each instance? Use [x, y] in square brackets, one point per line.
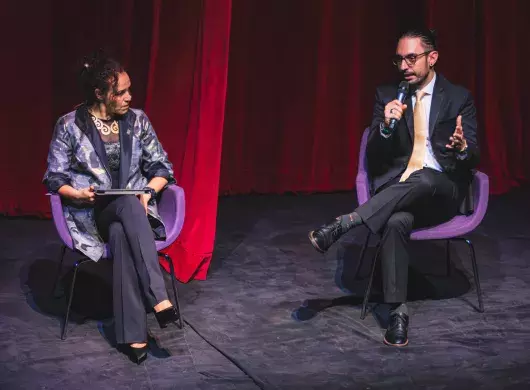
[186, 96]
[485, 47]
[176, 53]
[301, 81]
[303, 74]
[25, 106]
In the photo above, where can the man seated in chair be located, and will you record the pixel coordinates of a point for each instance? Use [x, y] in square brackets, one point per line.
[420, 172]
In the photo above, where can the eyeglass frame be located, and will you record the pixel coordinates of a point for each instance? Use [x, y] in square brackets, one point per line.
[397, 60]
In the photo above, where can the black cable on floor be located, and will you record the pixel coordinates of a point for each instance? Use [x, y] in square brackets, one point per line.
[246, 371]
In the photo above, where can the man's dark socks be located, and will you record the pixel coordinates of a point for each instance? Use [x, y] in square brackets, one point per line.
[349, 221]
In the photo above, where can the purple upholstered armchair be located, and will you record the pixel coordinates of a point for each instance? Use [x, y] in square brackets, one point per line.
[451, 230]
[172, 210]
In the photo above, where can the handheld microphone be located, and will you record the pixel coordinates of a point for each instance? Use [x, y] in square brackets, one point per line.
[402, 93]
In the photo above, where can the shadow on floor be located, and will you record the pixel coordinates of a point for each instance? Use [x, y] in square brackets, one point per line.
[428, 280]
[92, 298]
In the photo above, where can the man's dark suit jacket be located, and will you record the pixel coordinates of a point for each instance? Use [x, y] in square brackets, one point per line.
[388, 157]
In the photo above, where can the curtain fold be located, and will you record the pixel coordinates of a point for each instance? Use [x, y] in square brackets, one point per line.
[303, 74]
[193, 91]
[25, 107]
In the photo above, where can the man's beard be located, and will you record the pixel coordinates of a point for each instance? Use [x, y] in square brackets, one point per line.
[418, 81]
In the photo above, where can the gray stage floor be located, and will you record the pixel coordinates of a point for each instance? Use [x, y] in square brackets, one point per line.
[287, 313]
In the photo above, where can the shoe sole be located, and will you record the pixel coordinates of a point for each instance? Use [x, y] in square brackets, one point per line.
[314, 242]
[395, 345]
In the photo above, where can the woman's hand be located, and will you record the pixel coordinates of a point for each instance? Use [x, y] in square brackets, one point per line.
[144, 200]
[157, 184]
[86, 195]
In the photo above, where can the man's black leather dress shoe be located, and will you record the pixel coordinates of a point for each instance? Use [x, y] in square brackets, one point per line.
[396, 333]
[325, 236]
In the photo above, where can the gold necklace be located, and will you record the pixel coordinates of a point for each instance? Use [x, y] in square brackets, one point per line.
[105, 129]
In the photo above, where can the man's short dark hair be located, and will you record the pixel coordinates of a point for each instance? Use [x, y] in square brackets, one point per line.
[428, 37]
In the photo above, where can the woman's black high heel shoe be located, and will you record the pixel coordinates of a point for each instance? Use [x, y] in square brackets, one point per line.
[167, 316]
[136, 355]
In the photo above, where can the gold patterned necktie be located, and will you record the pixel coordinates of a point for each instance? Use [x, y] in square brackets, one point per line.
[420, 138]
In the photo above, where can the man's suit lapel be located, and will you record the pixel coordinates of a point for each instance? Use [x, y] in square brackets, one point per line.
[83, 121]
[436, 103]
[126, 136]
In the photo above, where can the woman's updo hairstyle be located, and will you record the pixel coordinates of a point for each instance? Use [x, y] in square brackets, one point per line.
[101, 72]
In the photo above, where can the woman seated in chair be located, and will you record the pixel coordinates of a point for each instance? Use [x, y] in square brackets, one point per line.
[105, 144]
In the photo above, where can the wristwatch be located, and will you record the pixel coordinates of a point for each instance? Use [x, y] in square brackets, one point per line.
[463, 150]
[384, 131]
[152, 192]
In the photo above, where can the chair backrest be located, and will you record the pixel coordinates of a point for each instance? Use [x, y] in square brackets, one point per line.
[481, 190]
[362, 184]
[172, 209]
[362, 152]
[60, 221]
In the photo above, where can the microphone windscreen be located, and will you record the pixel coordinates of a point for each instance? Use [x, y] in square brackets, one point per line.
[404, 85]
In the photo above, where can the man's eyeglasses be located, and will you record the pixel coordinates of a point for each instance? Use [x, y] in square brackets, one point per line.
[410, 59]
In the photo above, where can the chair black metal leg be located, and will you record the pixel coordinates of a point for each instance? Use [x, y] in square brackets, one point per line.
[448, 257]
[174, 285]
[475, 271]
[361, 256]
[59, 269]
[475, 274]
[70, 297]
[369, 287]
